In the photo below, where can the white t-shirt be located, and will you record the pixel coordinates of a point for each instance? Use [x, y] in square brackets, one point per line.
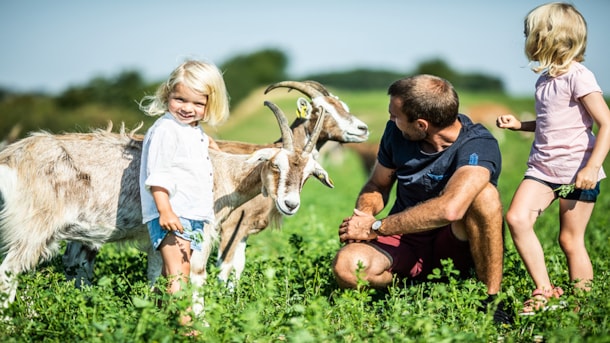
[563, 140]
[175, 156]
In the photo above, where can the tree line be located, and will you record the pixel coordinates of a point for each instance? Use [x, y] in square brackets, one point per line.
[115, 98]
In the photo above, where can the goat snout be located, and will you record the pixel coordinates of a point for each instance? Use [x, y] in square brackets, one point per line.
[292, 205]
[289, 205]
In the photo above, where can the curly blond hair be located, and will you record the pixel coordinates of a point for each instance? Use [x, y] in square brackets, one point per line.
[555, 35]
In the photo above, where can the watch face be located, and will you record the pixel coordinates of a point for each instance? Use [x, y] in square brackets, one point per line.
[376, 225]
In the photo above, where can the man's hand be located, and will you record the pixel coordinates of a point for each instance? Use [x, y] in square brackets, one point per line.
[357, 228]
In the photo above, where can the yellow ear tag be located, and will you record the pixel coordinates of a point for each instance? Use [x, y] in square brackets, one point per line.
[302, 112]
[321, 177]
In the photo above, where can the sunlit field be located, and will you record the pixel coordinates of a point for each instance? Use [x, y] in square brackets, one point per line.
[287, 291]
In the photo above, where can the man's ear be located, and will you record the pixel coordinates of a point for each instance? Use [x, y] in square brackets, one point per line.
[422, 124]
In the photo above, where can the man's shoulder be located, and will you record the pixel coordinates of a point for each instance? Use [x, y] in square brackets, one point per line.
[392, 132]
[474, 130]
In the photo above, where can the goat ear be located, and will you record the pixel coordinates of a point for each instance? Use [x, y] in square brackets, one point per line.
[261, 155]
[322, 175]
[303, 108]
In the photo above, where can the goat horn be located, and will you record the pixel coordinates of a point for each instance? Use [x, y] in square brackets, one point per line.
[317, 85]
[305, 87]
[284, 127]
[316, 132]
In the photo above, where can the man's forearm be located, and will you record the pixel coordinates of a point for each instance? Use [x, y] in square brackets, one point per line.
[371, 200]
[450, 206]
[423, 217]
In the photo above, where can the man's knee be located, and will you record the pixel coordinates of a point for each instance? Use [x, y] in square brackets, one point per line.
[484, 222]
[343, 267]
[488, 201]
[485, 213]
[360, 262]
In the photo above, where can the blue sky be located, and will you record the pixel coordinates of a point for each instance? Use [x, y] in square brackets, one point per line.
[50, 45]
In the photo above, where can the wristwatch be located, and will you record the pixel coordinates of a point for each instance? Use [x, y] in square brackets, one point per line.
[376, 225]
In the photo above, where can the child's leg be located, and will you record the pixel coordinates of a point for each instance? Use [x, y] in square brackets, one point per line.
[574, 216]
[530, 199]
[176, 254]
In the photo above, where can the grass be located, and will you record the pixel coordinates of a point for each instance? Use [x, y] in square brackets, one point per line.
[288, 293]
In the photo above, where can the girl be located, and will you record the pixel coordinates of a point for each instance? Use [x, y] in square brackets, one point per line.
[176, 176]
[566, 159]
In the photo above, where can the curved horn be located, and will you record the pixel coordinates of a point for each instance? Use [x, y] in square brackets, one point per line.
[316, 132]
[284, 127]
[317, 85]
[304, 87]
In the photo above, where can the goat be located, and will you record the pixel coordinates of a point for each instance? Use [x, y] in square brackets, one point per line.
[84, 188]
[255, 215]
[12, 136]
[367, 153]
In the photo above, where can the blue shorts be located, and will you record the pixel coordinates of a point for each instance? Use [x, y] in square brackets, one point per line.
[588, 195]
[193, 232]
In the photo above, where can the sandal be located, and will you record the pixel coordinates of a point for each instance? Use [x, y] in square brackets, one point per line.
[540, 299]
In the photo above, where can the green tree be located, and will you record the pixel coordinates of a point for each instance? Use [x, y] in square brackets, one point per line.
[439, 68]
[124, 90]
[358, 79]
[475, 82]
[244, 73]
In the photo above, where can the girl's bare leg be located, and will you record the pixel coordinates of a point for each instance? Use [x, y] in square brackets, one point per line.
[530, 199]
[574, 217]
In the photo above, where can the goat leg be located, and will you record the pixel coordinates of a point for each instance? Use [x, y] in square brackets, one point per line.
[78, 261]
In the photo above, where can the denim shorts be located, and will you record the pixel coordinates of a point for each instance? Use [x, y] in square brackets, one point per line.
[193, 232]
[588, 195]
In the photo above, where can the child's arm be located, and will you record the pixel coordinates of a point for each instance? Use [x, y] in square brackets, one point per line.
[586, 178]
[167, 218]
[508, 121]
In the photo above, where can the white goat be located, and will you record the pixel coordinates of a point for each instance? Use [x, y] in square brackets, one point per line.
[255, 215]
[83, 187]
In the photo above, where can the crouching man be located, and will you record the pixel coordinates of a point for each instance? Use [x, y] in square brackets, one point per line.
[447, 206]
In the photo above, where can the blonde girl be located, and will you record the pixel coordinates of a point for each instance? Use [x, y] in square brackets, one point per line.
[176, 176]
[566, 158]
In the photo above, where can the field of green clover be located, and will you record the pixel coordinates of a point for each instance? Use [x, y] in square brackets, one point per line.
[287, 292]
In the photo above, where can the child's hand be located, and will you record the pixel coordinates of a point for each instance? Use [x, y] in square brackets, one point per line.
[170, 222]
[586, 178]
[508, 121]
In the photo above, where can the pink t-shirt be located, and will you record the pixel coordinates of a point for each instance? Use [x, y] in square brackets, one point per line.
[563, 140]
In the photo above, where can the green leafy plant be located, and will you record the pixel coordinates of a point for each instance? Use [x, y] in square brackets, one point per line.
[564, 190]
[196, 236]
[288, 292]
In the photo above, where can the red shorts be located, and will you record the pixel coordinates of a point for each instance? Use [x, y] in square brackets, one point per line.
[415, 255]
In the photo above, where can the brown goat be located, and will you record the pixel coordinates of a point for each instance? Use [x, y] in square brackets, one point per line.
[255, 215]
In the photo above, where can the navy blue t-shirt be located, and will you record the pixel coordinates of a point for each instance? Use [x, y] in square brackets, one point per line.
[421, 176]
